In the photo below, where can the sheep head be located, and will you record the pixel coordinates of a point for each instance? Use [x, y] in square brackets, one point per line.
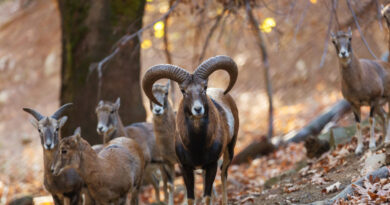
[49, 127]
[192, 86]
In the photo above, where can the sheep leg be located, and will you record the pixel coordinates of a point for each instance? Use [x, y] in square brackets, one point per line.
[171, 180]
[122, 200]
[227, 158]
[165, 183]
[382, 115]
[356, 112]
[57, 200]
[156, 186]
[387, 139]
[66, 200]
[211, 172]
[188, 176]
[135, 192]
[75, 199]
[372, 144]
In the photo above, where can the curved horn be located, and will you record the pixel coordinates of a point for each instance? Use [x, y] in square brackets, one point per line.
[59, 112]
[162, 71]
[226, 63]
[34, 113]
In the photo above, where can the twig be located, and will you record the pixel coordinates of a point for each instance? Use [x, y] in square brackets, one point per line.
[165, 39]
[359, 13]
[169, 56]
[126, 38]
[272, 10]
[122, 42]
[378, 14]
[297, 28]
[210, 34]
[333, 11]
[260, 41]
[200, 24]
[358, 27]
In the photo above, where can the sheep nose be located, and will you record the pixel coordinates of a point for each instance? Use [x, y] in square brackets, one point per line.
[343, 53]
[100, 129]
[158, 110]
[52, 170]
[198, 109]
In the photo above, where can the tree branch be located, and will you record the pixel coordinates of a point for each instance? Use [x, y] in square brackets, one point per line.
[119, 44]
[264, 55]
[126, 38]
[210, 34]
[168, 55]
[359, 13]
[333, 11]
[360, 31]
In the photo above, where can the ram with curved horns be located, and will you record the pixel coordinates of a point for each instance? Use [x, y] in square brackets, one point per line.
[207, 121]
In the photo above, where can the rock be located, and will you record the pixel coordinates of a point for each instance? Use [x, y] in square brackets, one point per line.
[373, 162]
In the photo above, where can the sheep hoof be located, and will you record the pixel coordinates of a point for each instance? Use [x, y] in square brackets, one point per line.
[372, 146]
[359, 149]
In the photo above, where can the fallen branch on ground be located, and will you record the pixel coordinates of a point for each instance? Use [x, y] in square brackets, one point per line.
[379, 173]
[264, 146]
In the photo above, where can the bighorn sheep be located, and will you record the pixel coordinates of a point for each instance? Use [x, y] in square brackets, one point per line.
[108, 117]
[65, 188]
[110, 174]
[206, 122]
[164, 124]
[364, 83]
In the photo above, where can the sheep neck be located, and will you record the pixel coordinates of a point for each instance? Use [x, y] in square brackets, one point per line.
[89, 168]
[351, 71]
[199, 131]
[120, 129]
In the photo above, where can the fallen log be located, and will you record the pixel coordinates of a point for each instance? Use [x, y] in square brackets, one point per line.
[265, 146]
[315, 127]
[380, 173]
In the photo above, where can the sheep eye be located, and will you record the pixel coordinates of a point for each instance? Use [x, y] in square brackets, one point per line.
[183, 91]
[39, 130]
[112, 111]
[57, 129]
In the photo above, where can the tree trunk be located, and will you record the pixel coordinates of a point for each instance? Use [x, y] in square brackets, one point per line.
[89, 30]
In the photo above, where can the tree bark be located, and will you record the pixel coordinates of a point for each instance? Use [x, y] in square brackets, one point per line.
[89, 30]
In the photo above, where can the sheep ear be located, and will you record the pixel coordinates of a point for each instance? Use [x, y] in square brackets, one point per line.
[382, 11]
[118, 103]
[332, 36]
[349, 31]
[34, 123]
[168, 84]
[63, 120]
[100, 103]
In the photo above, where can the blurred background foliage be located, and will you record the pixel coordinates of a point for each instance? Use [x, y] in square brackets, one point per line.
[303, 66]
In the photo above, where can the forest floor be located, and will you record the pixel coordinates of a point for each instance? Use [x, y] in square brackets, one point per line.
[29, 66]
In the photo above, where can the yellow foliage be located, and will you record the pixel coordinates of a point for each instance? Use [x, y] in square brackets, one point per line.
[313, 1]
[146, 44]
[267, 25]
[149, 8]
[158, 26]
[159, 29]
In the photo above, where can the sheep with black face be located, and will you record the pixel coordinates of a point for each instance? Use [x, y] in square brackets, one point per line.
[206, 122]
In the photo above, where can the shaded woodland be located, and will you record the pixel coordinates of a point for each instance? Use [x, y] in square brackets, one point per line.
[296, 139]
